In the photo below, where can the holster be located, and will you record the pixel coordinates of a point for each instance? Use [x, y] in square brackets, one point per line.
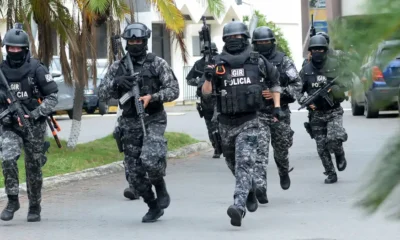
[307, 126]
[217, 141]
[117, 136]
[200, 109]
[46, 146]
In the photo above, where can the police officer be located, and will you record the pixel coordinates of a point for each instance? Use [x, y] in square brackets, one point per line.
[280, 132]
[30, 80]
[331, 52]
[238, 76]
[145, 156]
[206, 106]
[326, 121]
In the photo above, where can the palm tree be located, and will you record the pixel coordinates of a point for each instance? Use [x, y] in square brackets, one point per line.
[384, 176]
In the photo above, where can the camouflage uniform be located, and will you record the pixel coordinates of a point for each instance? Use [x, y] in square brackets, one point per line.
[145, 157]
[194, 78]
[14, 137]
[239, 134]
[327, 121]
[279, 132]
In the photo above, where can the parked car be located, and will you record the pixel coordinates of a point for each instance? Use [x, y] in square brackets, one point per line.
[379, 90]
[92, 102]
[65, 93]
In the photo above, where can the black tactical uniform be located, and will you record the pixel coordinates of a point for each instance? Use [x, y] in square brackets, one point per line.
[206, 106]
[280, 133]
[326, 122]
[331, 52]
[145, 156]
[237, 80]
[30, 80]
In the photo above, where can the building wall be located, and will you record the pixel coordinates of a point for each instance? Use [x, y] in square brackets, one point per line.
[286, 14]
[353, 7]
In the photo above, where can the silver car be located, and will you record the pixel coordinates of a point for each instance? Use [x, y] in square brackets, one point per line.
[66, 93]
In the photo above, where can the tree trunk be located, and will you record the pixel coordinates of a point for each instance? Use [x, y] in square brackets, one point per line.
[10, 8]
[77, 116]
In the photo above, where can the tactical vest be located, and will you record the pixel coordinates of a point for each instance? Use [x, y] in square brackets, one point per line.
[238, 84]
[317, 78]
[22, 81]
[277, 61]
[149, 83]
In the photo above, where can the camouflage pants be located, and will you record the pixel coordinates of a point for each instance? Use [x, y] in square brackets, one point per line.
[239, 145]
[280, 135]
[12, 142]
[329, 134]
[145, 157]
[211, 127]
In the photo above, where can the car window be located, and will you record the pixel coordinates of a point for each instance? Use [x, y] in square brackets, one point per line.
[388, 54]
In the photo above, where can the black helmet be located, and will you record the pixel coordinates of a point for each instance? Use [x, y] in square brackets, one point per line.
[213, 47]
[318, 41]
[263, 34]
[136, 31]
[325, 35]
[235, 28]
[16, 37]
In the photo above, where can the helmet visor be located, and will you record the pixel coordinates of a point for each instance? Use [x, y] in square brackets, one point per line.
[134, 33]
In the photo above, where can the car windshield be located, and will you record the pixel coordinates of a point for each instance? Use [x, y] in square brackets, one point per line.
[55, 65]
[101, 72]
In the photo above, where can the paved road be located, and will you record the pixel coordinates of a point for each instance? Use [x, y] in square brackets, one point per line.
[181, 119]
[202, 188]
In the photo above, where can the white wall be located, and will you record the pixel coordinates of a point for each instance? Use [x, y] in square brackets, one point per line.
[286, 14]
[353, 7]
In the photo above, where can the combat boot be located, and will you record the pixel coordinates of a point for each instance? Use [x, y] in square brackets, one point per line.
[261, 194]
[341, 162]
[332, 178]
[131, 194]
[12, 206]
[217, 154]
[251, 202]
[154, 213]
[34, 213]
[162, 195]
[236, 215]
[285, 181]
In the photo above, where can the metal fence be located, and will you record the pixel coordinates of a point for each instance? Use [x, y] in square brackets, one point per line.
[189, 92]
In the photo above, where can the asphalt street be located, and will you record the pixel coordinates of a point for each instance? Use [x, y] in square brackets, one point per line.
[201, 189]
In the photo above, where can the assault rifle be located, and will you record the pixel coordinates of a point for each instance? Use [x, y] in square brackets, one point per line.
[322, 92]
[313, 32]
[15, 107]
[205, 33]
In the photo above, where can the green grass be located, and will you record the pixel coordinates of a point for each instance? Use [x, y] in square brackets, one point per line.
[88, 155]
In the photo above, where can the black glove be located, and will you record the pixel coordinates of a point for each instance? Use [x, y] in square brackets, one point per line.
[209, 71]
[125, 82]
[277, 113]
[3, 97]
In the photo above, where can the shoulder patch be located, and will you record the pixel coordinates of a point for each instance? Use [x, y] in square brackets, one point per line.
[48, 77]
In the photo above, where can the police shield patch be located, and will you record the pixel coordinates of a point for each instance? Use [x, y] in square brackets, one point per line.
[291, 73]
[48, 77]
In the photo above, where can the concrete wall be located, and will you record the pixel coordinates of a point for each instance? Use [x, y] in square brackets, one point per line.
[287, 15]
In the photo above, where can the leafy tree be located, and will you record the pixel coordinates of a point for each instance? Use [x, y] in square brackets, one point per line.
[365, 32]
[282, 43]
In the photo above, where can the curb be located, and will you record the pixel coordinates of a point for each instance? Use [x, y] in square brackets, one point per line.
[54, 182]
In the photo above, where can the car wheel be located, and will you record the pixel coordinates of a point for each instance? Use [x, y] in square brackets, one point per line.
[356, 109]
[70, 113]
[103, 108]
[370, 109]
[90, 110]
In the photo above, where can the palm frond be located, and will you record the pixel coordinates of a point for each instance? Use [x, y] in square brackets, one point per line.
[174, 22]
[216, 7]
[384, 179]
